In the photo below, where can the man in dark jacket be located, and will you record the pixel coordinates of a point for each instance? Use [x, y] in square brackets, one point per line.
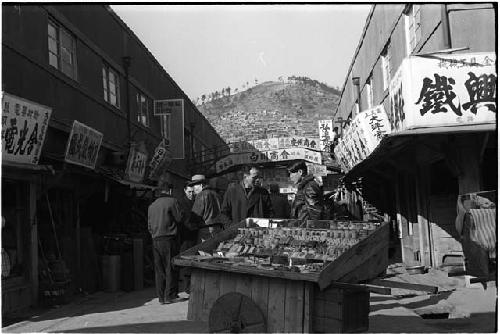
[246, 198]
[164, 216]
[308, 202]
[281, 207]
[206, 208]
[188, 233]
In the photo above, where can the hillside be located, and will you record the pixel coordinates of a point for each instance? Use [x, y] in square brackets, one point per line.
[272, 109]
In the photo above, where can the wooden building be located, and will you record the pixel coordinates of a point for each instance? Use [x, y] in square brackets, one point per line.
[431, 152]
[86, 70]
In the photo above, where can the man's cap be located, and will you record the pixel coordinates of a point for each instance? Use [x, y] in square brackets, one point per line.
[197, 179]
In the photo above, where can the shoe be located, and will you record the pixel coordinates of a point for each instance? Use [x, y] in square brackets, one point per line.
[173, 300]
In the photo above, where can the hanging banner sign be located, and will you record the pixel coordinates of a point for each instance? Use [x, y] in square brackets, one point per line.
[362, 137]
[317, 170]
[268, 156]
[168, 107]
[83, 145]
[136, 165]
[161, 156]
[24, 125]
[275, 144]
[326, 134]
[444, 90]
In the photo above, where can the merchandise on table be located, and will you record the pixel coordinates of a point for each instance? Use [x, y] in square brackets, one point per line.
[295, 249]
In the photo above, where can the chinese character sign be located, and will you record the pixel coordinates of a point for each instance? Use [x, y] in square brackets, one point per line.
[161, 156]
[24, 125]
[375, 125]
[136, 165]
[261, 145]
[83, 145]
[168, 107]
[326, 134]
[444, 90]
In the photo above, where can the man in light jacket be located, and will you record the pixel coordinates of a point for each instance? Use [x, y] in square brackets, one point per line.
[164, 216]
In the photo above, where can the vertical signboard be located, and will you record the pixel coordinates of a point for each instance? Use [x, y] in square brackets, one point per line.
[161, 156]
[136, 165]
[326, 134]
[24, 125]
[171, 113]
[83, 145]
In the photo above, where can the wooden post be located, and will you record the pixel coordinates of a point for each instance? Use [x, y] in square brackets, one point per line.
[138, 267]
[422, 214]
[78, 241]
[33, 242]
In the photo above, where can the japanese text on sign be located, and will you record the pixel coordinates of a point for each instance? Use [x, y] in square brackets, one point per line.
[136, 165]
[83, 145]
[167, 107]
[326, 134]
[161, 156]
[274, 144]
[24, 125]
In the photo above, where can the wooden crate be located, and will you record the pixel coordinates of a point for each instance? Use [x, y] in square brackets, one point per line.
[290, 301]
[289, 306]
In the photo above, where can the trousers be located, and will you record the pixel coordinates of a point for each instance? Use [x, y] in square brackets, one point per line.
[166, 275]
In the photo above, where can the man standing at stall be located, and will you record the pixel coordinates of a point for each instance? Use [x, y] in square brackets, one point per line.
[246, 198]
[308, 202]
[206, 208]
[164, 216]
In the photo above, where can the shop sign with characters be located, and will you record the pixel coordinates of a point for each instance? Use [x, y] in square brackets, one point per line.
[136, 164]
[326, 134]
[24, 125]
[278, 143]
[161, 156]
[362, 137]
[267, 156]
[83, 145]
[444, 90]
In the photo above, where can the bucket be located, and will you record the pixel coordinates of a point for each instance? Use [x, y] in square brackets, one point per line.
[111, 272]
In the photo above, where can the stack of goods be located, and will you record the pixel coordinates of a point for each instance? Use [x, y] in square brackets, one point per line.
[295, 249]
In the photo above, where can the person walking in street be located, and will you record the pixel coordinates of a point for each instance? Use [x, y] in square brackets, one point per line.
[246, 198]
[308, 202]
[188, 233]
[164, 216]
[281, 207]
[206, 208]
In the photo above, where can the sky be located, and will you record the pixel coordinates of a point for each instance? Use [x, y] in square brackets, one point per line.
[209, 47]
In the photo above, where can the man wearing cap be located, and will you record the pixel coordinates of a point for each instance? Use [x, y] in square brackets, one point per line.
[164, 215]
[308, 202]
[188, 232]
[246, 198]
[206, 208]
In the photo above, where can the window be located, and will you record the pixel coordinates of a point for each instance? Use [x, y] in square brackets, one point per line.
[62, 50]
[111, 85]
[413, 30]
[369, 92]
[386, 66]
[143, 104]
[165, 127]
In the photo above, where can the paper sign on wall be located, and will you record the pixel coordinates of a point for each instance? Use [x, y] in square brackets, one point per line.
[24, 126]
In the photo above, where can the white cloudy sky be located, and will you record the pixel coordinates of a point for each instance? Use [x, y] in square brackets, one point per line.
[210, 47]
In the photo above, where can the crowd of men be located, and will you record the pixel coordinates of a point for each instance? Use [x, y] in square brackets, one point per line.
[179, 224]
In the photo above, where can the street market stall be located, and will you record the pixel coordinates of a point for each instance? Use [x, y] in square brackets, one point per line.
[277, 276]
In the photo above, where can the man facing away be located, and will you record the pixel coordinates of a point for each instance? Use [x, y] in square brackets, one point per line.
[246, 198]
[308, 202]
[164, 216]
[206, 208]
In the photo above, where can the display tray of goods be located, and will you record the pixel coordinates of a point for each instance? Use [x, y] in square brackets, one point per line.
[320, 251]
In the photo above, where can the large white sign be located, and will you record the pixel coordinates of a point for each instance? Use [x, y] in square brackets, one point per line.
[326, 134]
[267, 156]
[275, 144]
[24, 125]
[83, 145]
[444, 90]
[362, 137]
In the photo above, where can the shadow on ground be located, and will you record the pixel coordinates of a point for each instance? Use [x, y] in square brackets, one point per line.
[184, 326]
[432, 300]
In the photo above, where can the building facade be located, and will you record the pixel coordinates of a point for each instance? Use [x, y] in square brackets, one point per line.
[433, 147]
[109, 117]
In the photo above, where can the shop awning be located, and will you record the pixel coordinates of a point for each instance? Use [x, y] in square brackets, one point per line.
[447, 129]
[28, 167]
[135, 185]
